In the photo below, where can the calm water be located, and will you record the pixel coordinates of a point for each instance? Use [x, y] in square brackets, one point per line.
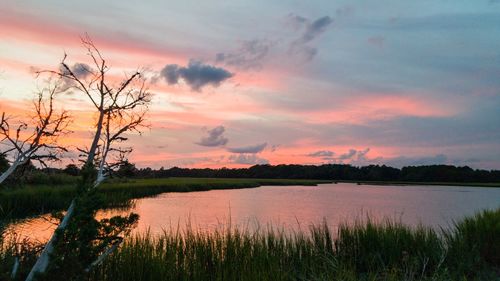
[295, 207]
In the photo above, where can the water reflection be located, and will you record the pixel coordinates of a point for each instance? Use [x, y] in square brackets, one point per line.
[293, 207]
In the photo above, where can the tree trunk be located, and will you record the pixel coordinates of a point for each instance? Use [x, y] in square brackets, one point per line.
[97, 136]
[9, 171]
[43, 261]
[100, 173]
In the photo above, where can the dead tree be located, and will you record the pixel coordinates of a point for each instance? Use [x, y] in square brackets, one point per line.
[116, 124]
[39, 139]
[119, 108]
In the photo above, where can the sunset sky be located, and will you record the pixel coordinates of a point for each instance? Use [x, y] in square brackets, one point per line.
[238, 83]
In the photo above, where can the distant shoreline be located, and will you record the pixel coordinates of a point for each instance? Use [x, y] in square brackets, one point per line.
[403, 183]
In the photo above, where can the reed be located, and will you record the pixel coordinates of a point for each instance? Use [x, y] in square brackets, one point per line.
[361, 251]
[364, 250]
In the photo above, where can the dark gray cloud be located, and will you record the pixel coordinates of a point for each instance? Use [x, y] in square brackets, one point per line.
[248, 149]
[247, 159]
[360, 158]
[170, 73]
[215, 137]
[315, 28]
[196, 74]
[353, 156]
[348, 155]
[322, 153]
[249, 56]
[310, 30]
[80, 70]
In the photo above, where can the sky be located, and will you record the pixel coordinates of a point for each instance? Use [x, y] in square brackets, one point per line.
[238, 83]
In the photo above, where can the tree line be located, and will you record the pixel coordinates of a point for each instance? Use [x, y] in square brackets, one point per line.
[334, 172]
[427, 173]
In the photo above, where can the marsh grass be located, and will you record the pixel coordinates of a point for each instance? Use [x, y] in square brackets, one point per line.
[16, 250]
[361, 251]
[474, 243]
[364, 250]
[229, 254]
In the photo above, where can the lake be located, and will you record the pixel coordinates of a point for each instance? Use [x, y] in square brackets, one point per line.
[294, 207]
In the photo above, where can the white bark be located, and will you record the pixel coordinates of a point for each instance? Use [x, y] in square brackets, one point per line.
[43, 261]
[100, 178]
[9, 171]
[101, 174]
[20, 160]
[97, 136]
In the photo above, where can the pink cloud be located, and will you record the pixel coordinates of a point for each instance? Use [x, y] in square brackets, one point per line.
[359, 110]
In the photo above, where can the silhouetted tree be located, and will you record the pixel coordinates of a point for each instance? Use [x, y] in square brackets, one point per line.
[80, 238]
[72, 170]
[127, 170]
[37, 139]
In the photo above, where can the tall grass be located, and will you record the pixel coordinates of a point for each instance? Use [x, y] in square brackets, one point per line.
[14, 250]
[38, 199]
[363, 251]
[221, 255]
[389, 247]
[34, 200]
[474, 243]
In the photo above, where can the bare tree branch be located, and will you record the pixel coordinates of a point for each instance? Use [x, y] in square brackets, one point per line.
[38, 140]
[120, 110]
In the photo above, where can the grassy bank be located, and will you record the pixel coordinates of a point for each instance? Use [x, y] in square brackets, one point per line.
[363, 251]
[33, 200]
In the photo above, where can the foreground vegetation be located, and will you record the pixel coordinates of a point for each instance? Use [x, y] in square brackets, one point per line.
[38, 199]
[360, 251]
[363, 251]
